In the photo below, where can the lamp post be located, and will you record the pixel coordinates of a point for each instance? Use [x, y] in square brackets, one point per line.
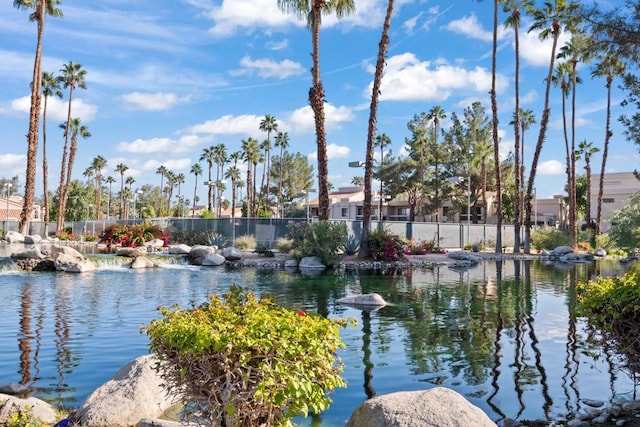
[6, 219]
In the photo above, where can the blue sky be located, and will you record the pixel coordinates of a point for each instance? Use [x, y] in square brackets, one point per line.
[169, 78]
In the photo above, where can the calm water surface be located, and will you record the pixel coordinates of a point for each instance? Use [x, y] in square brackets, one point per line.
[503, 334]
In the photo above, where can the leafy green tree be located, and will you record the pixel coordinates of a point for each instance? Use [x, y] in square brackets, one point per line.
[625, 225]
[41, 9]
[297, 175]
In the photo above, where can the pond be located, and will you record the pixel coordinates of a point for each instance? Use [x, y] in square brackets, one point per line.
[504, 334]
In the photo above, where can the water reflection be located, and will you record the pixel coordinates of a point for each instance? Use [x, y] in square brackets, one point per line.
[503, 334]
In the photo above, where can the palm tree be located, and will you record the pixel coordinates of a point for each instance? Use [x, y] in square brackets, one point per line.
[121, 168]
[50, 87]
[97, 164]
[220, 158]
[72, 76]
[196, 169]
[41, 9]
[171, 182]
[382, 141]
[282, 141]
[608, 66]
[162, 171]
[251, 155]
[587, 149]
[76, 129]
[576, 50]
[513, 7]
[312, 11]
[496, 139]
[130, 196]
[550, 19]
[208, 155]
[109, 180]
[268, 124]
[233, 173]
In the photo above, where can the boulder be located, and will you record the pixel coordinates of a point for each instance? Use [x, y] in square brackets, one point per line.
[562, 250]
[437, 407]
[199, 252]
[464, 256]
[14, 389]
[71, 264]
[61, 249]
[14, 237]
[154, 245]
[311, 262]
[600, 252]
[370, 301]
[133, 393]
[291, 263]
[131, 252]
[142, 262]
[81, 267]
[10, 405]
[32, 239]
[180, 249]
[231, 254]
[31, 253]
[212, 260]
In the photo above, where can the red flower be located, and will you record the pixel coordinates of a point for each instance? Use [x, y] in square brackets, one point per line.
[302, 313]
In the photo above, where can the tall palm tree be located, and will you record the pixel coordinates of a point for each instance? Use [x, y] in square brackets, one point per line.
[251, 155]
[312, 11]
[494, 121]
[50, 88]
[282, 141]
[196, 170]
[550, 19]
[208, 155]
[220, 159]
[97, 164]
[162, 171]
[72, 76]
[76, 129]
[513, 8]
[586, 150]
[41, 9]
[121, 168]
[268, 124]
[233, 174]
[576, 50]
[171, 182]
[109, 180]
[130, 196]
[609, 66]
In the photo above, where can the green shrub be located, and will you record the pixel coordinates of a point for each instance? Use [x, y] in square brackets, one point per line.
[322, 239]
[246, 242]
[216, 239]
[385, 246]
[422, 247]
[549, 238]
[284, 245]
[352, 245]
[24, 418]
[605, 242]
[612, 303]
[248, 362]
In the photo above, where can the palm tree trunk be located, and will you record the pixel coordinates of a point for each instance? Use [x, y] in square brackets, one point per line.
[62, 202]
[605, 154]
[45, 168]
[517, 212]
[373, 120]
[496, 140]
[34, 118]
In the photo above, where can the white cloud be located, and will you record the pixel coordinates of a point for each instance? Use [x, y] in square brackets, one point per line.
[274, 45]
[229, 125]
[163, 145]
[151, 101]
[302, 120]
[57, 108]
[408, 79]
[334, 151]
[173, 165]
[233, 15]
[267, 68]
[13, 164]
[470, 27]
[551, 167]
[538, 52]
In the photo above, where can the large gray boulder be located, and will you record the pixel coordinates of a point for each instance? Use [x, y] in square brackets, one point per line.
[370, 301]
[32, 239]
[212, 260]
[33, 252]
[39, 409]
[131, 252]
[61, 249]
[180, 249]
[199, 252]
[133, 393]
[312, 263]
[231, 254]
[464, 256]
[437, 407]
[71, 264]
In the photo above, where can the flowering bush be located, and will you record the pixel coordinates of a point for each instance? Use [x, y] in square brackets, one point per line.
[132, 235]
[422, 247]
[385, 246]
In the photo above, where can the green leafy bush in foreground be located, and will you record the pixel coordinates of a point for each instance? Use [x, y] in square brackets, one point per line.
[243, 361]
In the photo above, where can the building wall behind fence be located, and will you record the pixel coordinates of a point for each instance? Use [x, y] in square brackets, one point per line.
[268, 230]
